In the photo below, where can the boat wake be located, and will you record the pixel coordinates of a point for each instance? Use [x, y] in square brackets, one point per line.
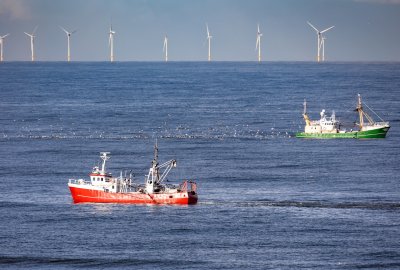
[310, 204]
[27, 261]
[184, 136]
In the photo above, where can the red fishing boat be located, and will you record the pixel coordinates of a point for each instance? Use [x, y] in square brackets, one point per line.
[104, 188]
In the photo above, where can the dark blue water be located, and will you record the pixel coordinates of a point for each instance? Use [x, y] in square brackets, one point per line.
[266, 199]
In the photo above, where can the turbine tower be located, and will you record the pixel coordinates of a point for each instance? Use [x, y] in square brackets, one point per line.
[32, 36]
[165, 48]
[320, 40]
[111, 43]
[209, 43]
[323, 47]
[68, 40]
[1, 46]
[258, 42]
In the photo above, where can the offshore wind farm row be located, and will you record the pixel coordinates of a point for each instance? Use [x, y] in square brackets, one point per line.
[319, 58]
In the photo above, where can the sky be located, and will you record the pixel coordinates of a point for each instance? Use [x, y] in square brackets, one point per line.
[365, 30]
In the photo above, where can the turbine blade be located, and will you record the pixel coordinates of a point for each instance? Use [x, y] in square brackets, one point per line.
[28, 34]
[63, 29]
[74, 31]
[34, 30]
[5, 36]
[208, 32]
[313, 27]
[257, 42]
[258, 28]
[327, 29]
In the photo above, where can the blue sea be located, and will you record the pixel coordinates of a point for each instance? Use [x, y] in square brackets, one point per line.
[266, 199]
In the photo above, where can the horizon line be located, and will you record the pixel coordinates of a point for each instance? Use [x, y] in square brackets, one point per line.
[200, 61]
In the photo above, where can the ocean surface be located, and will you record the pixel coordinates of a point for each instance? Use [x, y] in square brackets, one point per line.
[266, 199]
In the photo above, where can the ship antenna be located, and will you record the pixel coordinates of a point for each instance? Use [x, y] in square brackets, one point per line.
[305, 107]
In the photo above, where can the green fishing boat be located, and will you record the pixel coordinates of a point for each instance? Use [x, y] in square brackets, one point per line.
[330, 128]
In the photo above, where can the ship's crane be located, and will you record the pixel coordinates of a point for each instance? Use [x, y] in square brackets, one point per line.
[158, 173]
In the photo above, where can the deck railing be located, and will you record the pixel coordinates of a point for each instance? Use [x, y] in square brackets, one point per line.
[78, 182]
[382, 123]
[188, 185]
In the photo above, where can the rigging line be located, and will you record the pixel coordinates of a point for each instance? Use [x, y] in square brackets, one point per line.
[350, 109]
[151, 198]
[373, 112]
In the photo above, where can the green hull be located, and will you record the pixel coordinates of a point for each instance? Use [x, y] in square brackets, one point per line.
[370, 134]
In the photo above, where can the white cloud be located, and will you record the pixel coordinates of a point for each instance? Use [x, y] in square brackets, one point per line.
[14, 9]
[393, 2]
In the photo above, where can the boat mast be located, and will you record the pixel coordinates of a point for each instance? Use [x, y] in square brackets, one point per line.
[104, 157]
[360, 111]
[155, 163]
[305, 116]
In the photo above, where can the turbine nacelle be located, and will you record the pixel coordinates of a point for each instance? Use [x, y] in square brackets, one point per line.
[67, 32]
[111, 32]
[30, 35]
[208, 33]
[258, 30]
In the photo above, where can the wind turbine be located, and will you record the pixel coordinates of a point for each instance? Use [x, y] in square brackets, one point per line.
[258, 42]
[1, 46]
[165, 48]
[319, 40]
[209, 43]
[68, 40]
[32, 36]
[111, 43]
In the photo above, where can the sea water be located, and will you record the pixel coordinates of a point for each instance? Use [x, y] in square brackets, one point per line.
[266, 199]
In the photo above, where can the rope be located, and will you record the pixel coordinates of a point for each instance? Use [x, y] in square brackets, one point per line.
[373, 112]
[151, 198]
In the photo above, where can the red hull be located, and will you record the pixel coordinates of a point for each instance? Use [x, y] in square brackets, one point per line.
[83, 195]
